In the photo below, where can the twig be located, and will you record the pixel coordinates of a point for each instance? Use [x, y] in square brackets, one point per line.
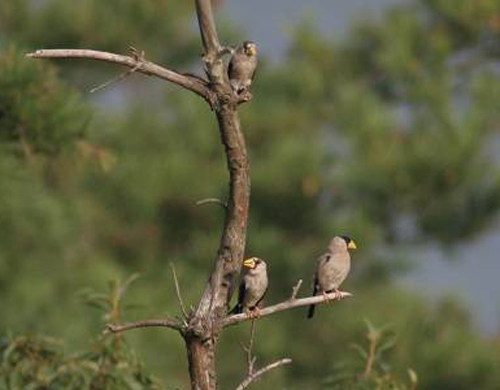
[167, 323]
[248, 350]
[295, 290]
[178, 291]
[250, 378]
[286, 305]
[139, 57]
[211, 200]
[193, 84]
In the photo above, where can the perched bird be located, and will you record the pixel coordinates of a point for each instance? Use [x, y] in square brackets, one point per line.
[253, 285]
[332, 268]
[241, 68]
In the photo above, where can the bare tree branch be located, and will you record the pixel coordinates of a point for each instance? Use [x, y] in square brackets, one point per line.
[148, 68]
[166, 323]
[286, 305]
[250, 378]
[208, 31]
[178, 292]
[248, 350]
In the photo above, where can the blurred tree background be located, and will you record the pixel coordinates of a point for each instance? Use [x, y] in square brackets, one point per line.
[385, 135]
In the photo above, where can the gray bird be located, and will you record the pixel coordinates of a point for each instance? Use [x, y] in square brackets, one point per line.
[241, 68]
[332, 268]
[253, 285]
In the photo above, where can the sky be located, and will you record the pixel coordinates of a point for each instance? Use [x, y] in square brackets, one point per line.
[470, 272]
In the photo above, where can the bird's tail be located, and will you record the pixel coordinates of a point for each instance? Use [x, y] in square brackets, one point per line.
[310, 313]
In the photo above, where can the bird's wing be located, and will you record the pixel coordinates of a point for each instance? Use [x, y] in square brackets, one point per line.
[238, 308]
[241, 295]
[253, 74]
[262, 297]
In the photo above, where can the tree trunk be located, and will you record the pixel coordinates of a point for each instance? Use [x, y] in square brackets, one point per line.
[201, 359]
[213, 305]
[206, 323]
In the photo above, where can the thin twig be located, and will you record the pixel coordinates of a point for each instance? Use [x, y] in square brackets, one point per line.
[178, 291]
[211, 200]
[286, 305]
[193, 84]
[139, 57]
[295, 290]
[250, 378]
[248, 349]
[166, 322]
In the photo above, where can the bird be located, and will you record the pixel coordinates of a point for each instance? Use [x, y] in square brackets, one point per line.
[332, 268]
[241, 68]
[253, 286]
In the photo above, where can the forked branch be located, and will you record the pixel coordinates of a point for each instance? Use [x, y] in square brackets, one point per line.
[252, 377]
[178, 292]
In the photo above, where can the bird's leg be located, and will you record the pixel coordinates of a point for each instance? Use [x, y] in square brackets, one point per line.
[254, 313]
[338, 294]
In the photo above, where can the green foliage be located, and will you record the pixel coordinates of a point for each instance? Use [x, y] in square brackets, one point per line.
[111, 26]
[369, 370]
[37, 362]
[38, 114]
[408, 100]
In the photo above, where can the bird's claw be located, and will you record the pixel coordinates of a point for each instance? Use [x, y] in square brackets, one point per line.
[254, 313]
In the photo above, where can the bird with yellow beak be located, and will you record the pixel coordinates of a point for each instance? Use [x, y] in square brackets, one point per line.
[241, 68]
[253, 286]
[332, 268]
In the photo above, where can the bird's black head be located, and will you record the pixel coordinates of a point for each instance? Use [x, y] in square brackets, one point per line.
[349, 242]
[250, 48]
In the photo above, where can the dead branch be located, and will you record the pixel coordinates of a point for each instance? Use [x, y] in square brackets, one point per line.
[250, 378]
[286, 305]
[208, 31]
[248, 350]
[148, 68]
[166, 323]
[178, 292]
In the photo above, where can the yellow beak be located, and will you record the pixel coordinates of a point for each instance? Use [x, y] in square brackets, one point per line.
[351, 245]
[253, 50]
[249, 263]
